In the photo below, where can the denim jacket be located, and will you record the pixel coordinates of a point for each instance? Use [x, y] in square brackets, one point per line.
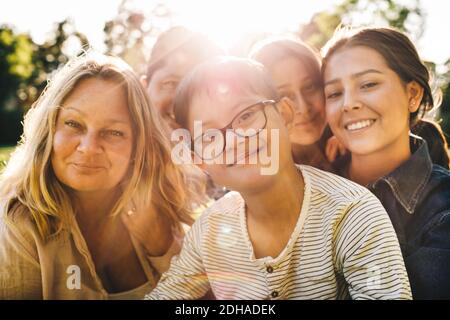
[416, 196]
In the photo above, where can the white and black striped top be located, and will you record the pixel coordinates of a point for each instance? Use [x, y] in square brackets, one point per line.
[343, 246]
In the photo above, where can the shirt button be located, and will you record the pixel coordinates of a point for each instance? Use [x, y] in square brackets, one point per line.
[269, 269]
[274, 294]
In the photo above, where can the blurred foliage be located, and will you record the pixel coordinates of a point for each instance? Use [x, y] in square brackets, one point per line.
[5, 153]
[407, 17]
[16, 64]
[25, 67]
[129, 34]
[16, 70]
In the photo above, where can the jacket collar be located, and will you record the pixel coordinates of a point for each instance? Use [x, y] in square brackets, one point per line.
[409, 180]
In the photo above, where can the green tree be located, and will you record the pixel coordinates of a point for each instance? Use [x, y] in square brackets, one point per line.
[407, 17]
[16, 64]
[49, 56]
[16, 68]
[24, 69]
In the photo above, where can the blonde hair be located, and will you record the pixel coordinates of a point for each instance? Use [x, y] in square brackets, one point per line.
[28, 181]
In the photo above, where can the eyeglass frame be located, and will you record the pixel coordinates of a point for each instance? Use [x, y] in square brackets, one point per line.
[263, 103]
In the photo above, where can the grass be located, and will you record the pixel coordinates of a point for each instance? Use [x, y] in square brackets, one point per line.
[5, 152]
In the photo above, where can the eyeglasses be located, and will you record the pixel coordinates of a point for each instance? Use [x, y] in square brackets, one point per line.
[248, 123]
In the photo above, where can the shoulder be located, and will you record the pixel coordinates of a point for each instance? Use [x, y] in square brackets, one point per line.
[334, 187]
[227, 206]
[17, 218]
[340, 205]
[441, 176]
[18, 232]
[224, 210]
[436, 193]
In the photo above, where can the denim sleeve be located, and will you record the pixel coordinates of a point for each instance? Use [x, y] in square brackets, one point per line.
[429, 266]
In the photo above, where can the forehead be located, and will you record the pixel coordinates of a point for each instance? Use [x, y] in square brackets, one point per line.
[290, 69]
[349, 61]
[218, 104]
[178, 64]
[98, 99]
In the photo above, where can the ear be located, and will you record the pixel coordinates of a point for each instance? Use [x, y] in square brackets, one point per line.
[415, 94]
[144, 81]
[287, 111]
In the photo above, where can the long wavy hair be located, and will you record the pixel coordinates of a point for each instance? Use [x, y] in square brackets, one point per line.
[29, 183]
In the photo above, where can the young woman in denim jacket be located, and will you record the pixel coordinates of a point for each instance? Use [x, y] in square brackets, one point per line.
[376, 90]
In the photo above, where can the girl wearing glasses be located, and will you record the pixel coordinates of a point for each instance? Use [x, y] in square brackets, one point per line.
[376, 90]
[293, 233]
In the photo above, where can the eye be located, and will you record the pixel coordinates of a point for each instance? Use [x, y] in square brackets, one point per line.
[72, 124]
[333, 95]
[310, 87]
[169, 85]
[369, 85]
[246, 116]
[115, 133]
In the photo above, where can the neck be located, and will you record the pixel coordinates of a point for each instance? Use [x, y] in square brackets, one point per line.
[94, 208]
[277, 204]
[365, 169]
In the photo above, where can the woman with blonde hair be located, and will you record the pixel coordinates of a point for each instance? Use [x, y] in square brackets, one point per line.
[90, 202]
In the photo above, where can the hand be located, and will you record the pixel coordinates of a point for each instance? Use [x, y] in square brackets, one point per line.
[334, 148]
[150, 227]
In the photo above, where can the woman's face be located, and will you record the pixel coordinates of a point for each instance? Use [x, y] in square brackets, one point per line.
[93, 137]
[293, 80]
[366, 101]
[162, 85]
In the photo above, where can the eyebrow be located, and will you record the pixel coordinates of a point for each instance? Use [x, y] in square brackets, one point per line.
[356, 75]
[110, 121]
[283, 86]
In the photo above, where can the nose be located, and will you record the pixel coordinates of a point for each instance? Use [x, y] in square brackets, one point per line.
[90, 144]
[350, 102]
[301, 104]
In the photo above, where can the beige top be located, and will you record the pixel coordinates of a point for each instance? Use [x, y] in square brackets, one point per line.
[61, 268]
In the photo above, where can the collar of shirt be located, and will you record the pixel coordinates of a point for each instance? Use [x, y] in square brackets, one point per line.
[408, 181]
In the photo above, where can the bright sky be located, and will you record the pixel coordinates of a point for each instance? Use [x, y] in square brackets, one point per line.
[223, 20]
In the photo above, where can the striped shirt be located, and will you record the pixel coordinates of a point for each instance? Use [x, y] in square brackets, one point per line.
[343, 246]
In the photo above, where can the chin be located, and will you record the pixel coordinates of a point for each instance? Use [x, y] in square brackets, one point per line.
[88, 186]
[362, 147]
[305, 138]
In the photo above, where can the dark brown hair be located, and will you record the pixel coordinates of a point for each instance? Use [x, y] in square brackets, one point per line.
[238, 74]
[432, 133]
